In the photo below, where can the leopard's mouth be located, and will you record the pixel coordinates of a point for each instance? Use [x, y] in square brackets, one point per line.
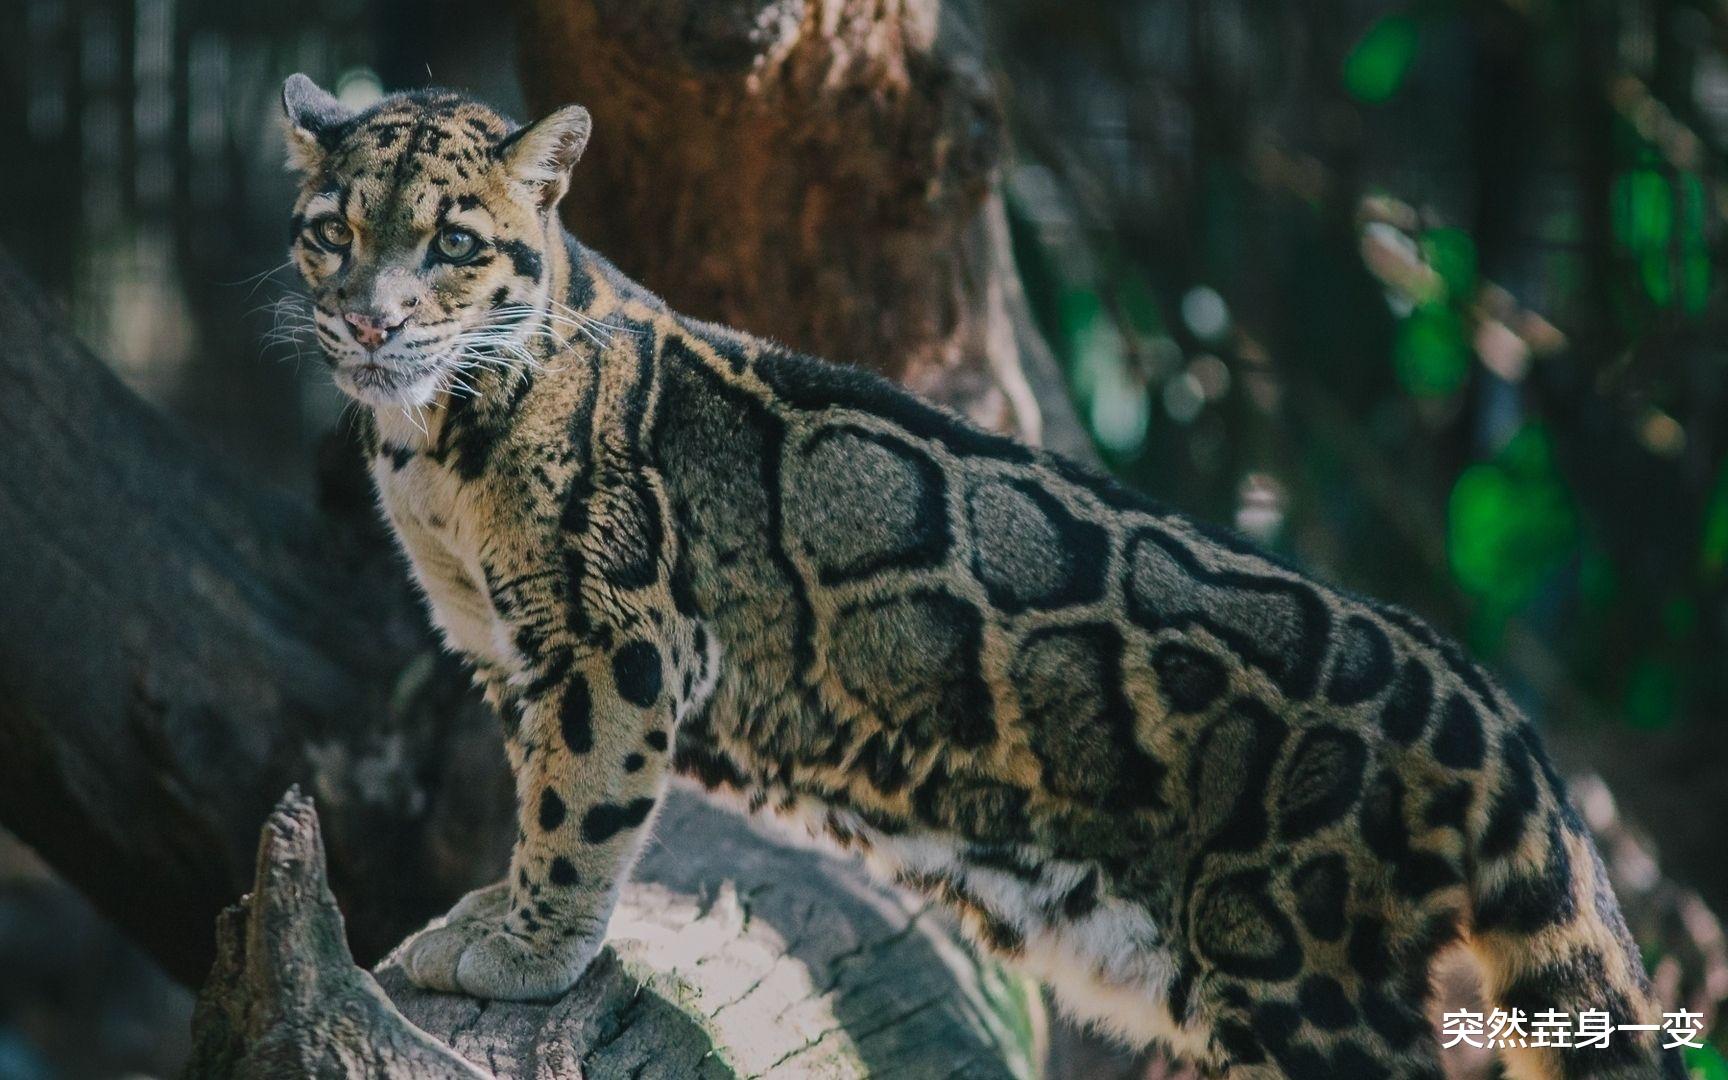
[378, 380]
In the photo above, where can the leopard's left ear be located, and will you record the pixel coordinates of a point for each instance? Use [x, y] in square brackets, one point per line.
[540, 156]
[311, 118]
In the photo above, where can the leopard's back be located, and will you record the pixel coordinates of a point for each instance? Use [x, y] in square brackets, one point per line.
[1207, 797]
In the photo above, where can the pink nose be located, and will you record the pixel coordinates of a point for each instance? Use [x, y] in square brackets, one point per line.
[372, 331]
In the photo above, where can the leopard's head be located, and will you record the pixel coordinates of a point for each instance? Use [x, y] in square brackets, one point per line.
[423, 230]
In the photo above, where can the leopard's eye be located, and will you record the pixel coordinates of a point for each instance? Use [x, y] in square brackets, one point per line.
[455, 244]
[335, 232]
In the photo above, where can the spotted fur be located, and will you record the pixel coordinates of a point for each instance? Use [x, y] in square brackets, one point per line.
[1209, 800]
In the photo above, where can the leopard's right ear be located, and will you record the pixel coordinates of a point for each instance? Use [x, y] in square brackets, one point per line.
[311, 117]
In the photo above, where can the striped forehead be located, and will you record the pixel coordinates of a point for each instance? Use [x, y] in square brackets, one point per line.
[407, 164]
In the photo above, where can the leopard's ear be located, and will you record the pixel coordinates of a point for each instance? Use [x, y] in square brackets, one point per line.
[311, 117]
[540, 156]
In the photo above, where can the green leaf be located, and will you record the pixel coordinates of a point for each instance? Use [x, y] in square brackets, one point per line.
[1511, 524]
[1452, 254]
[1376, 67]
[1643, 210]
[1430, 355]
[1706, 1063]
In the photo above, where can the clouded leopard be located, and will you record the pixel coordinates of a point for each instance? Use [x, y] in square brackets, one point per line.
[1208, 800]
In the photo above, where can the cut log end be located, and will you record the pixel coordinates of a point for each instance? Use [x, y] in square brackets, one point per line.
[731, 955]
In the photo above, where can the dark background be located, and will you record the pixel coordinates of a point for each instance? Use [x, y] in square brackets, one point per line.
[1425, 295]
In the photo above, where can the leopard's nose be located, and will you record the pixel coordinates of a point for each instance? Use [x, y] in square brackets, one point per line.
[372, 331]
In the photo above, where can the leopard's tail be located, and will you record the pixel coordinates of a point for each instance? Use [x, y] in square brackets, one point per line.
[1549, 937]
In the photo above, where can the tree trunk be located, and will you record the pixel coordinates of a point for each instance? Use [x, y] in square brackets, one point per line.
[820, 172]
[729, 957]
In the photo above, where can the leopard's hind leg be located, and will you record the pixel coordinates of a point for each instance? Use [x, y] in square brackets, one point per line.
[1318, 967]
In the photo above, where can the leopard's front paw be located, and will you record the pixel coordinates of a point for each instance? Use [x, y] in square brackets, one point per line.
[473, 951]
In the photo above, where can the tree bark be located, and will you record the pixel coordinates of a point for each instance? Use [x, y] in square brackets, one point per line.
[793, 965]
[820, 172]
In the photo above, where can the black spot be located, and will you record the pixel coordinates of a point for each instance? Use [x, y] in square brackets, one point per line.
[807, 383]
[551, 810]
[399, 456]
[1382, 817]
[472, 428]
[1454, 657]
[1516, 800]
[1321, 887]
[1180, 992]
[1277, 1023]
[1302, 1062]
[606, 820]
[636, 671]
[1458, 743]
[987, 811]
[1277, 624]
[1238, 1043]
[1405, 713]
[708, 766]
[1392, 1019]
[1081, 725]
[561, 873]
[1189, 679]
[1230, 772]
[633, 762]
[1367, 949]
[576, 716]
[885, 504]
[997, 933]
[884, 762]
[1527, 902]
[524, 258]
[1029, 551]
[733, 445]
[1363, 664]
[1325, 1004]
[1320, 782]
[1239, 929]
[1350, 1060]
[647, 341]
[1422, 872]
[1082, 899]
[635, 536]
[914, 661]
[1450, 806]
[552, 673]
[655, 739]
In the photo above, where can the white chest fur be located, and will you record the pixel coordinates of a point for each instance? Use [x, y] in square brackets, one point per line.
[434, 520]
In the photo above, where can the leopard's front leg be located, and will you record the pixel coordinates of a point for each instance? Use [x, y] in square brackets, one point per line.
[588, 742]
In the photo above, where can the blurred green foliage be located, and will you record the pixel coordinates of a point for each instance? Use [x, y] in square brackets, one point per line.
[1509, 414]
[1706, 1063]
[1376, 67]
[1511, 526]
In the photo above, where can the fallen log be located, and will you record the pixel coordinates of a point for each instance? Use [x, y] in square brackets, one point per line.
[729, 956]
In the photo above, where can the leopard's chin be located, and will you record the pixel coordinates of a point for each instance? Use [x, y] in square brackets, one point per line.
[388, 383]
